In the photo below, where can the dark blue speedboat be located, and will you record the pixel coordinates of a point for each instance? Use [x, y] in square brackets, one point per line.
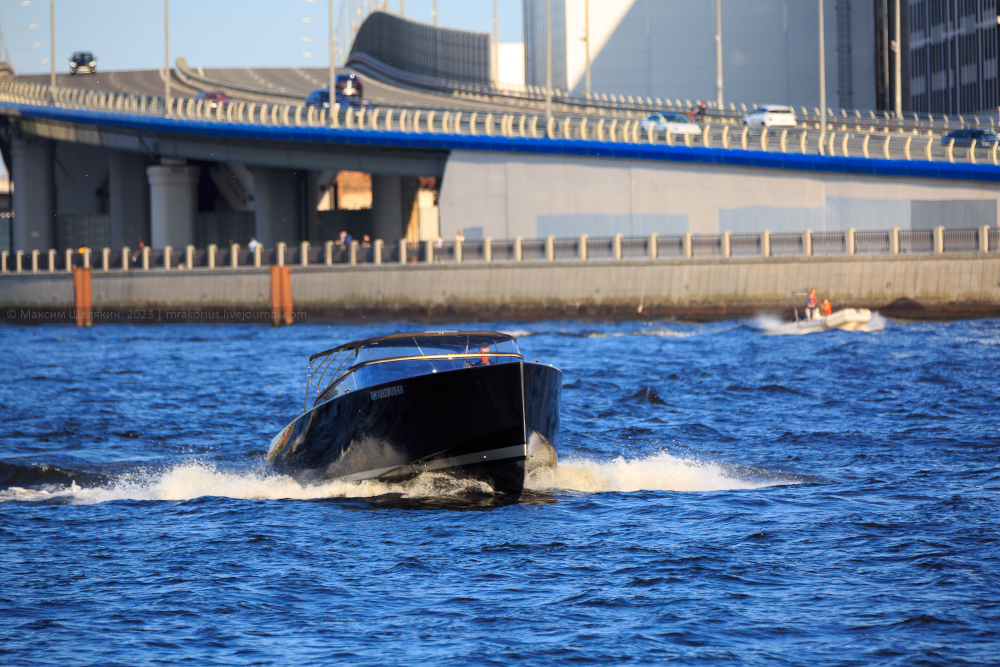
[461, 402]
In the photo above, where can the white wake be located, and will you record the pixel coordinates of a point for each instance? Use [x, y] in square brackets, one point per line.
[188, 481]
[660, 472]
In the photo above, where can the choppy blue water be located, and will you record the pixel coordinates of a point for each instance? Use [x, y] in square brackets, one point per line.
[723, 495]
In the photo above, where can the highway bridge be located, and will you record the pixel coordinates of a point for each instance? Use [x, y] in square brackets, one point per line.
[106, 152]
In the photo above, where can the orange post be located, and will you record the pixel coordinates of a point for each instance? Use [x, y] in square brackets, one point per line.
[286, 294]
[275, 295]
[83, 297]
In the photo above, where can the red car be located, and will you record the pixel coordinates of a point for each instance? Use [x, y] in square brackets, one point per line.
[212, 98]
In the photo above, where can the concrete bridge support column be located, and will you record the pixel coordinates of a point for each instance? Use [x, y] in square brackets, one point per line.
[173, 203]
[128, 199]
[388, 221]
[33, 173]
[277, 202]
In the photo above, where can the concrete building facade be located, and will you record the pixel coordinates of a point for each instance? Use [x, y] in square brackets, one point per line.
[953, 56]
[666, 48]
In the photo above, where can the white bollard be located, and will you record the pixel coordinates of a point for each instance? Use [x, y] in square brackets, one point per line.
[377, 251]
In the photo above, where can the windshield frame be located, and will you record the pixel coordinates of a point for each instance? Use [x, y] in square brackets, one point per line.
[328, 357]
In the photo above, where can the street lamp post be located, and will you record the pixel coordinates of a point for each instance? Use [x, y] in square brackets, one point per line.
[496, 44]
[718, 53]
[333, 69]
[897, 47]
[822, 81]
[166, 57]
[548, 66]
[52, 44]
[586, 45]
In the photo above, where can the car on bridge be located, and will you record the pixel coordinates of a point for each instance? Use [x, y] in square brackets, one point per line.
[212, 98]
[971, 136]
[83, 60]
[675, 123]
[770, 115]
[349, 85]
[350, 90]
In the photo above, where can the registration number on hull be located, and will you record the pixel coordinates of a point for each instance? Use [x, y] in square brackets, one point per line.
[386, 392]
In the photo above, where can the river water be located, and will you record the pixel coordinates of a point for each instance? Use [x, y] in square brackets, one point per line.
[724, 494]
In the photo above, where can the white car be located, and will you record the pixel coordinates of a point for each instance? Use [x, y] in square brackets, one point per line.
[676, 123]
[770, 115]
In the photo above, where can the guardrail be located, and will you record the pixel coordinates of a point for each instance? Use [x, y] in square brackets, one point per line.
[550, 249]
[629, 105]
[839, 140]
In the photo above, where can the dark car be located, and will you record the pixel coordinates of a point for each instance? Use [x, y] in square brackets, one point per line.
[83, 60]
[970, 136]
[349, 91]
[349, 85]
[212, 98]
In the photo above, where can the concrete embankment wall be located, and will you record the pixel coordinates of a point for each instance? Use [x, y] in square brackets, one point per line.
[920, 286]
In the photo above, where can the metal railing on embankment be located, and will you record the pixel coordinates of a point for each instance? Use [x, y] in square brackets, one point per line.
[550, 249]
[843, 137]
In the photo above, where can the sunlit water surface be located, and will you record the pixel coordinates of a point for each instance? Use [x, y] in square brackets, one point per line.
[724, 494]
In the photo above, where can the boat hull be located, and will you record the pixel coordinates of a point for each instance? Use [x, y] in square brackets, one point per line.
[848, 319]
[468, 423]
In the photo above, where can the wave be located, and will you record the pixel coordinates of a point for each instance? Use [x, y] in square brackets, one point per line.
[199, 480]
[189, 481]
[660, 472]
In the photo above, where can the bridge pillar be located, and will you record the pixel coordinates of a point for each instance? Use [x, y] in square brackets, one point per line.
[33, 172]
[128, 199]
[173, 203]
[387, 207]
[277, 202]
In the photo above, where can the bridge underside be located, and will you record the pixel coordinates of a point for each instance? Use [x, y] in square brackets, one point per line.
[79, 184]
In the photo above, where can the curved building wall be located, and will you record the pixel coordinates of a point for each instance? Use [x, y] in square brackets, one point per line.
[423, 49]
[666, 48]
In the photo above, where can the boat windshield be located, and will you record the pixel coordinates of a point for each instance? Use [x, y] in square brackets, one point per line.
[396, 357]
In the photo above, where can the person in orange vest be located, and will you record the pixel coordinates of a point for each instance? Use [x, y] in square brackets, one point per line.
[827, 307]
